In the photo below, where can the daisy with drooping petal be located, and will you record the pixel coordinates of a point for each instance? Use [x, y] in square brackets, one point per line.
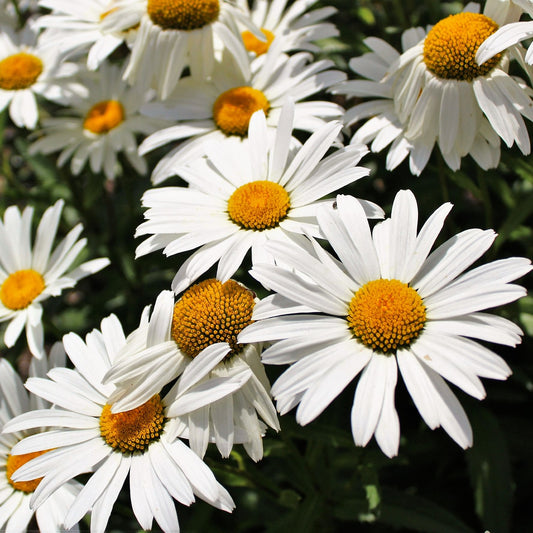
[97, 128]
[442, 96]
[74, 27]
[244, 194]
[29, 275]
[15, 510]
[388, 304]
[28, 69]
[295, 26]
[511, 33]
[222, 388]
[140, 442]
[174, 34]
[222, 108]
[384, 127]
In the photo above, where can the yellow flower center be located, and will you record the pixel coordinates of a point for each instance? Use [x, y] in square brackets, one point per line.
[133, 431]
[183, 14]
[104, 116]
[259, 205]
[19, 71]
[386, 314]
[233, 109]
[21, 288]
[14, 462]
[253, 44]
[450, 47]
[211, 312]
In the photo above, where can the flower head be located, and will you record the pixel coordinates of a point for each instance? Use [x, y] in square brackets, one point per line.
[246, 193]
[96, 128]
[221, 388]
[31, 274]
[385, 303]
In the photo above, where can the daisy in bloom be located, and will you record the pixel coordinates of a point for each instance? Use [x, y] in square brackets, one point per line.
[29, 275]
[385, 303]
[75, 27]
[222, 386]
[174, 34]
[296, 27]
[88, 437]
[27, 69]
[244, 194]
[444, 96]
[441, 95]
[101, 125]
[15, 510]
[384, 127]
[509, 34]
[222, 107]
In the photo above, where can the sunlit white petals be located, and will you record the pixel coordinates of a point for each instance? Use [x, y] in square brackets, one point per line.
[198, 216]
[326, 350]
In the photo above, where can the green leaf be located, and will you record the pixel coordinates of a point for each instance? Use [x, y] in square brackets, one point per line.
[490, 471]
[417, 513]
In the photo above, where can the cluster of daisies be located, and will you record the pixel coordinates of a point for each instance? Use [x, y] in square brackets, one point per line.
[226, 91]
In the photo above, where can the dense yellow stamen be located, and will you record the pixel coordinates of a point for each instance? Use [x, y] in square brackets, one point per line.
[19, 71]
[21, 288]
[233, 109]
[183, 14]
[14, 462]
[386, 314]
[259, 205]
[253, 44]
[211, 312]
[134, 430]
[450, 47]
[104, 116]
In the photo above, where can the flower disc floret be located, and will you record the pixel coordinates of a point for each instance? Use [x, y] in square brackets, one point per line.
[450, 47]
[253, 44]
[19, 71]
[104, 116]
[20, 289]
[183, 14]
[133, 431]
[386, 314]
[259, 205]
[211, 312]
[14, 462]
[234, 108]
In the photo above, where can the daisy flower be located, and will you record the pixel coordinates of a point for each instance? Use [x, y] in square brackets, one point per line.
[244, 194]
[385, 303]
[75, 27]
[15, 510]
[174, 34]
[444, 96]
[29, 275]
[222, 107]
[97, 128]
[297, 28]
[510, 34]
[384, 128]
[140, 442]
[27, 69]
[222, 386]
